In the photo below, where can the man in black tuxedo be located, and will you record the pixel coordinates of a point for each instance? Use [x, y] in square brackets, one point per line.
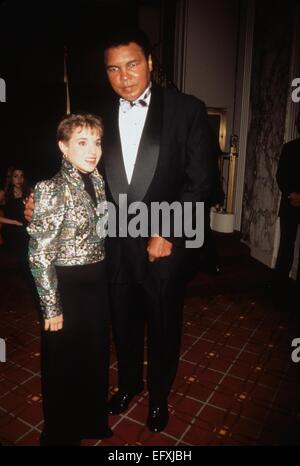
[157, 147]
[288, 179]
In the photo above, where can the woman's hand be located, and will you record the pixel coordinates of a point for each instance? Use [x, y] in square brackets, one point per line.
[10, 221]
[54, 324]
[16, 222]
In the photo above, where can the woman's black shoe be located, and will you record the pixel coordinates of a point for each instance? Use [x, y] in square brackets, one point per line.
[48, 441]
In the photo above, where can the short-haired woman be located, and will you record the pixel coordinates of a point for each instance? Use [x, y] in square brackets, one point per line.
[67, 261]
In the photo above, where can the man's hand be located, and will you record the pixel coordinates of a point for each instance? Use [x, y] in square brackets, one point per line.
[54, 324]
[29, 207]
[158, 247]
[294, 199]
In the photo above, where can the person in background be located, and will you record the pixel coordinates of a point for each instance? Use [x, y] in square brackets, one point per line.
[15, 237]
[209, 258]
[288, 179]
[1, 213]
[67, 260]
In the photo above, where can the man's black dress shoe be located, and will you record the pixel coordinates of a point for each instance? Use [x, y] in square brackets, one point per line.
[119, 402]
[158, 418]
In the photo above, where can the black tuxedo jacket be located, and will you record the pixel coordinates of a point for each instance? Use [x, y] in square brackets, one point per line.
[174, 163]
[288, 178]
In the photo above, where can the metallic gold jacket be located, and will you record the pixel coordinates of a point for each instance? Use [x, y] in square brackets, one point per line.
[63, 231]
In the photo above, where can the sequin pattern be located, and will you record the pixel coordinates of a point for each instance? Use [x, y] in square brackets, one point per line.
[63, 231]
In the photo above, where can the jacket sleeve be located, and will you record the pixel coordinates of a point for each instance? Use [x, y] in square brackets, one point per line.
[285, 172]
[44, 231]
[199, 157]
[198, 176]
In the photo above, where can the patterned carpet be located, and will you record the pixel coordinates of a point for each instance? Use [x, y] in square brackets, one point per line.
[236, 382]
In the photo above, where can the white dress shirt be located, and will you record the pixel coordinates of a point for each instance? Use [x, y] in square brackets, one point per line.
[131, 124]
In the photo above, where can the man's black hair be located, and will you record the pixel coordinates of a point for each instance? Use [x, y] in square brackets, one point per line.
[125, 36]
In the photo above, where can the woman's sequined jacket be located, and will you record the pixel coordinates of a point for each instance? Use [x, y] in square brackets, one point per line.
[63, 231]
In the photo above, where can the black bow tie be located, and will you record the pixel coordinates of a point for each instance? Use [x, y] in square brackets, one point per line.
[128, 104]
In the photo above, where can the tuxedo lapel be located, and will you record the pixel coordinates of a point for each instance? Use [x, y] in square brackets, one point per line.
[112, 157]
[147, 156]
[148, 152]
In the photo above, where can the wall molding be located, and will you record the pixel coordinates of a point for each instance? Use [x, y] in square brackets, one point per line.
[181, 44]
[245, 110]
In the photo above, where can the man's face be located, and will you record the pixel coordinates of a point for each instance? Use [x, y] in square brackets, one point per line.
[83, 149]
[128, 70]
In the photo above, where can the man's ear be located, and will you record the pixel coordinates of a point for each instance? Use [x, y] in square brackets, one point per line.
[150, 64]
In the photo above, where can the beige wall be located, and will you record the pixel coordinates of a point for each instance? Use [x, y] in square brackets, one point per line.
[211, 48]
[150, 22]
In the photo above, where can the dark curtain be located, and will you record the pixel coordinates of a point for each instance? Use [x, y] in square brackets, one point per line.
[32, 37]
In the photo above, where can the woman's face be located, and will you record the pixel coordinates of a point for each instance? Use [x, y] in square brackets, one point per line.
[83, 149]
[17, 178]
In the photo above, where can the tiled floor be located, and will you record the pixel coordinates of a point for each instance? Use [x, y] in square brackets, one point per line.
[236, 382]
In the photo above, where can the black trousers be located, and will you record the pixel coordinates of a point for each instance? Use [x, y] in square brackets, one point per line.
[75, 360]
[154, 305]
[288, 235]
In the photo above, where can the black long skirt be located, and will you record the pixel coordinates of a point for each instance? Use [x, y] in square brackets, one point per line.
[75, 360]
